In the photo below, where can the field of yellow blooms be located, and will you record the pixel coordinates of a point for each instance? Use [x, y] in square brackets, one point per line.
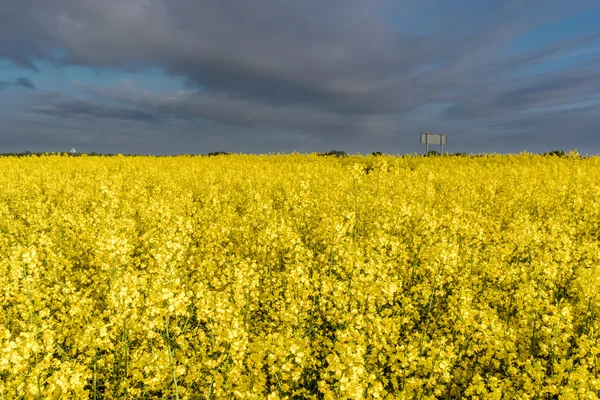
[300, 277]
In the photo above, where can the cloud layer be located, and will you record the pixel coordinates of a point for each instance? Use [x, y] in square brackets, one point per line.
[290, 75]
[19, 82]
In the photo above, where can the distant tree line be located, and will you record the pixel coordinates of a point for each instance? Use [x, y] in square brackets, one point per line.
[62, 153]
[334, 153]
[331, 153]
[558, 153]
[93, 153]
[29, 153]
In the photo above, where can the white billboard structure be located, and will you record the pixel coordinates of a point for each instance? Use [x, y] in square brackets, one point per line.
[433, 138]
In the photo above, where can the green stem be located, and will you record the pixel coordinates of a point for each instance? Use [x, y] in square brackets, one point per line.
[38, 377]
[171, 360]
[95, 363]
[431, 298]
[31, 322]
[126, 337]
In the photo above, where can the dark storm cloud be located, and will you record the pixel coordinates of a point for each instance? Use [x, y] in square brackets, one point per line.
[87, 110]
[130, 104]
[24, 82]
[556, 130]
[339, 68]
[19, 82]
[542, 90]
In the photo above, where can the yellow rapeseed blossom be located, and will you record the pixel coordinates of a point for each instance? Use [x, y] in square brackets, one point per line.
[299, 276]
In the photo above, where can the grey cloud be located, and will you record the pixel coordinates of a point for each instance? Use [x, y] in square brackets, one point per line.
[65, 107]
[24, 82]
[19, 82]
[339, 68]
[559, 129]
[130, 104]
[552, 88]
[338, 55]
[552, 51]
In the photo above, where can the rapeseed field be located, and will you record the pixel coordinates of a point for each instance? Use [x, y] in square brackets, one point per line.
[300, 277]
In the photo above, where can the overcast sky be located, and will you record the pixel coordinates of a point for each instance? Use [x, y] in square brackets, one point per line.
[194, 76]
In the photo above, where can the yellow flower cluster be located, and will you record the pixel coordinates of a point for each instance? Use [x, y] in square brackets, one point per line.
[299, 276]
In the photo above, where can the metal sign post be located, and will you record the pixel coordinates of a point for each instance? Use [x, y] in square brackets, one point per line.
[433, 138]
